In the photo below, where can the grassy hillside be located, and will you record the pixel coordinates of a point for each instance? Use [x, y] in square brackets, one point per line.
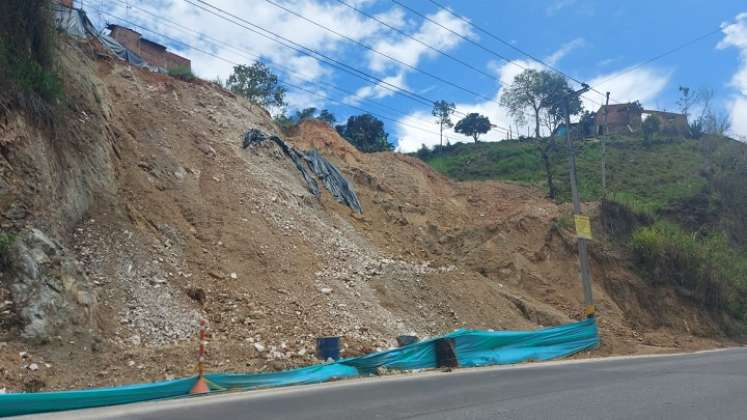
[688, 196]
[646, 177]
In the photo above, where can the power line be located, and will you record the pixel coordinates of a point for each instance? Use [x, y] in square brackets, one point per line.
[312, 52]
[510, 45]
[430, 47]
[658, 56]
[303, 50]
[286, 69]
[475, 43]
[291, 85]
[368, 47]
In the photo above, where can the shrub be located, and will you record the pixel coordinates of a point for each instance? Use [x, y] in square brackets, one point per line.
[182, 73]
[27, 37]
[649, 127]
[5, 242]
[706, 268]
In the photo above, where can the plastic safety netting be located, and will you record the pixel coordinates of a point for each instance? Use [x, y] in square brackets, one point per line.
[472, 348]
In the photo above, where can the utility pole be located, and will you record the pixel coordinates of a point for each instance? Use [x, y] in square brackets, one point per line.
[583, 230]
[604, 147]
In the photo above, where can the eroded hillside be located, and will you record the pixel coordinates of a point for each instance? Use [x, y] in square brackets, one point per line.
[138, 212]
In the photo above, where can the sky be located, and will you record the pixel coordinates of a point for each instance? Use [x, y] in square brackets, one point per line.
[406, 54]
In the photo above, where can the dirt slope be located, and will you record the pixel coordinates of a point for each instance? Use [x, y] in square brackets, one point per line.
[139, 213]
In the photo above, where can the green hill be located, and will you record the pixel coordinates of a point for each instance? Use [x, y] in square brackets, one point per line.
[687, 196]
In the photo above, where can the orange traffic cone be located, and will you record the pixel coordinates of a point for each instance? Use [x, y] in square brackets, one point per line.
[200, 387]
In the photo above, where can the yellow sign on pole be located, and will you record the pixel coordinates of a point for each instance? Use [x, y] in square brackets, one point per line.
[583, 226]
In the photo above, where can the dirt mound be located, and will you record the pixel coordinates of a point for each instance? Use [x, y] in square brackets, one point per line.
[145, 185]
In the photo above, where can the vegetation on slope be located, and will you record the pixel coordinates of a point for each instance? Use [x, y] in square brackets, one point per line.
[689, 193]
[27, 37]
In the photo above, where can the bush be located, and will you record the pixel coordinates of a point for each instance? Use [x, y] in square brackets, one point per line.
[5, 242]
[182, 73]
[705, 268]
[27, 37]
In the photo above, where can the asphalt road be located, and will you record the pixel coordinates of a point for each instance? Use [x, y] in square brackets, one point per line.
[709, 385]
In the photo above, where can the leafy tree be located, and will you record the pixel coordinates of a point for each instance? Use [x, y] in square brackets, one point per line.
[284, 122]
[366, 133]
[443, 110]
[304, 114]
[473, 125]
[650, 126]
[546, 95]
[326, 116]
[257, 83]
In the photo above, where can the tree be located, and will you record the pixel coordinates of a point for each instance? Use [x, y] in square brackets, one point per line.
[473, 125]
[709, 121]
[443, 110]
[366, 133]
[546, 95]
[327, 117]
[650, 126]
[687, 99]
[256, 83]
[542, 92]
[283, 122]
[304, 114]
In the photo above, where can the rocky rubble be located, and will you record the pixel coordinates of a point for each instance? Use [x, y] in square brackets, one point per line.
[49, 291]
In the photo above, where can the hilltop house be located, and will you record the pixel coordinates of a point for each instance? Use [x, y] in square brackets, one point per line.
[628, 117]
[152, 52]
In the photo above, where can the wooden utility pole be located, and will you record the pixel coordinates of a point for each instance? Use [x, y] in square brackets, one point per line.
[604, 147]
[583, 231]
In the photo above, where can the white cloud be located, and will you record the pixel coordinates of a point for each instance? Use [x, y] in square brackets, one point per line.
[410, 51]
[379, 90]
[407, 50]
[735, 35]
[566, 49]
[642, 84]
[558, 5]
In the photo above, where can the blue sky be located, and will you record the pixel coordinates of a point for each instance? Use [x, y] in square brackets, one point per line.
[589, 40]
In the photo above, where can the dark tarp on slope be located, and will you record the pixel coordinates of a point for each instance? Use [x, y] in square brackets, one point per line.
[333, 180]
[75, 23]
[308, 163]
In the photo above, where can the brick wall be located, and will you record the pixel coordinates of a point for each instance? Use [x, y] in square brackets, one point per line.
[619, 119]
[151, 52]
[670, 122]
[128, 38]
[174, 61]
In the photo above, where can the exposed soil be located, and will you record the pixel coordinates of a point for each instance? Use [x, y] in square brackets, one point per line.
[145, 184]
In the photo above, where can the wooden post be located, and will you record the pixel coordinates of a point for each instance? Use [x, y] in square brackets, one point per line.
[583, 252]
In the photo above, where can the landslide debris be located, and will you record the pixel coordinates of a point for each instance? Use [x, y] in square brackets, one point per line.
[145, 197]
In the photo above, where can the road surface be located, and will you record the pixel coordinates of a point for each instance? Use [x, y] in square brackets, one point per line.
[708, 385]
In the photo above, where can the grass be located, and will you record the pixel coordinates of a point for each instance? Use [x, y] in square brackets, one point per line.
[648, 178]
[182, 73]
[705, 267]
